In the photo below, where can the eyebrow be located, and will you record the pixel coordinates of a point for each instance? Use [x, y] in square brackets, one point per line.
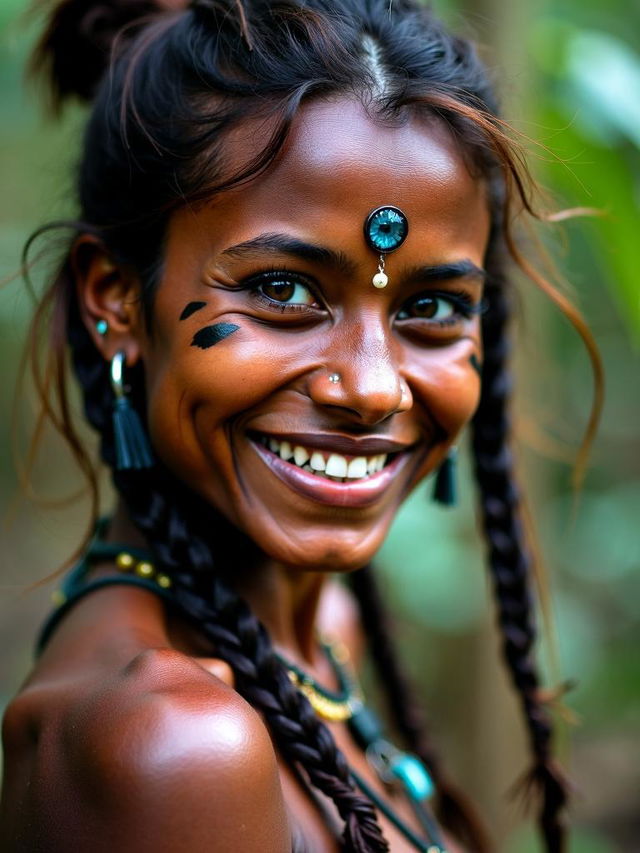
[442, 272]
[287, 245]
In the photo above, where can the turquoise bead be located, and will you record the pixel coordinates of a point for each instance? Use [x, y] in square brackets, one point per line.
[413, 775]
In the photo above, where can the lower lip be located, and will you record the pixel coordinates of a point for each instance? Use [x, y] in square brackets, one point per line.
[358, 493]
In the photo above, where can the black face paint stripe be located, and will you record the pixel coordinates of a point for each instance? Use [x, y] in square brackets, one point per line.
[473, 361]
[191, 308]
[212, 335]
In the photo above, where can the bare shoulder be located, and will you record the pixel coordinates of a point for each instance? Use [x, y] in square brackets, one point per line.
[160, 755]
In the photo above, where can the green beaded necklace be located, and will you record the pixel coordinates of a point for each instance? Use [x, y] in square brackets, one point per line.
[392, 766]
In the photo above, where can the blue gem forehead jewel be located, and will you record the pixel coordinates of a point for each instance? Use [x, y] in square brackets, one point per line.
[385, 229]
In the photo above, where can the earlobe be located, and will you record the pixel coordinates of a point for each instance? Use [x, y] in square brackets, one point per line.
[108, 298]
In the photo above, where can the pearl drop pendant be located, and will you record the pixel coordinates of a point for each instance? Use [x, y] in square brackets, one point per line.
[380, 280]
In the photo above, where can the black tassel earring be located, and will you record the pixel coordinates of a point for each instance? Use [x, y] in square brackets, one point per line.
[445, 490]
[132, 446]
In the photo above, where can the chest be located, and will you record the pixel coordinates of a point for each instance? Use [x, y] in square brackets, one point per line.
[315, 817]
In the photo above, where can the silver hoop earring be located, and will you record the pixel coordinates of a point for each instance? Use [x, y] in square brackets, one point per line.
[131, 443]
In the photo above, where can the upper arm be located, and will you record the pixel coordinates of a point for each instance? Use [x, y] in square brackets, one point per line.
[163, 757]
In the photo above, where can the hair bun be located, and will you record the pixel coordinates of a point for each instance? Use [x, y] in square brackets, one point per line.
[75, 48]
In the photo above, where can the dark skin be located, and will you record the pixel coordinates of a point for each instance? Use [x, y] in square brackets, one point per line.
[134, 739]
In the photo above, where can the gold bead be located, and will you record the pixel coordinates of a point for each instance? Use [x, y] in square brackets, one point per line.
[340, 652]
[58, 597]
[163, 581]
[144, 569]
[125, 562]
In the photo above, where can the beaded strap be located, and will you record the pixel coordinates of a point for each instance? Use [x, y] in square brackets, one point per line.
[393, 766]
[331, 706]
[135, 568]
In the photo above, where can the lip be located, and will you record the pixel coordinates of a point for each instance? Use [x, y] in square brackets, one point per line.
[360, 493]
[370, 445]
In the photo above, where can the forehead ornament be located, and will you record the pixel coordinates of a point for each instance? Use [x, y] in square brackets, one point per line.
[385, 229]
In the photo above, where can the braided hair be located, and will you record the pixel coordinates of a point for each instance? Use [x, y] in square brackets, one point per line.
[208, 66]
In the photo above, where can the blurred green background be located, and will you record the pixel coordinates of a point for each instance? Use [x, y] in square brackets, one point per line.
[569, 75]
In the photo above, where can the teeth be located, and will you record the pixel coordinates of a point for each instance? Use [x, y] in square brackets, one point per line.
[357, 468]
[317, 461]
[300, 456]
[285, 450]
[336, 466]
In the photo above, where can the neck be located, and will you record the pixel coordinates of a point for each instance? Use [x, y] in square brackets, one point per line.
[286, 601]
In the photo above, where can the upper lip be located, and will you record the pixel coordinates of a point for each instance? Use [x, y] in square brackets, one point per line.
[346, 445]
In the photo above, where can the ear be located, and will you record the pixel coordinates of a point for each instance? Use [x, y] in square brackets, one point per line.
[107, 294]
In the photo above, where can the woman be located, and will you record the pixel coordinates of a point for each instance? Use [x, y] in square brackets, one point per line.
[284, 298]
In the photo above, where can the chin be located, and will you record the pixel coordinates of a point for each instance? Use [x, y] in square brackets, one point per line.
[340, 550]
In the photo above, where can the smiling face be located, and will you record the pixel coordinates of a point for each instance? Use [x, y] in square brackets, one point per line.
[283, 387]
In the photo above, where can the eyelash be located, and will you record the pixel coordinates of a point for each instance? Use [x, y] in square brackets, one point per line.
[277, 276]
[462, 303]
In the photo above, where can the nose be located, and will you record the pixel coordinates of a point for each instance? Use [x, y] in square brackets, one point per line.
[362, 376]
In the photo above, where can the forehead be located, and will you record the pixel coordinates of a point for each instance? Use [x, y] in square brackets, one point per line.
[338, 164]
[340, 138]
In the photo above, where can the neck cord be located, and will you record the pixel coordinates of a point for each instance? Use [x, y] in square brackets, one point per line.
[390, 764]
[335, 707]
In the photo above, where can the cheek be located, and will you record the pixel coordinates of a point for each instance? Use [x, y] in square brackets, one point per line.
[200, 382]
[448, 389]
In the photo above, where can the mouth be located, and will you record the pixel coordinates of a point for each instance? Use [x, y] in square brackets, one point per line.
[323, 474]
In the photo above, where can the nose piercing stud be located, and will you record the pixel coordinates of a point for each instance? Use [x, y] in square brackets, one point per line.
[334, 377]
[385, 229]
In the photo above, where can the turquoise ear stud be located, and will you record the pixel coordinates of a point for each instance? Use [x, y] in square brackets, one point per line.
[102, 327]
[385, 229]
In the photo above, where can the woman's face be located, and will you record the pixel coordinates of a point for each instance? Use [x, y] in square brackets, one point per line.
[273, 356]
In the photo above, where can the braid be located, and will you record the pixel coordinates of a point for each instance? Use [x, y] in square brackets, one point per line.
[223, 617]
[509, 561]
[240, 640]
[454, 810]
[243, 642]
[137, 168]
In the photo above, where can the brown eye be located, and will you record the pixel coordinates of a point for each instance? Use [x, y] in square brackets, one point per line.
[285, 290]
[428, 308]
[281, 291]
